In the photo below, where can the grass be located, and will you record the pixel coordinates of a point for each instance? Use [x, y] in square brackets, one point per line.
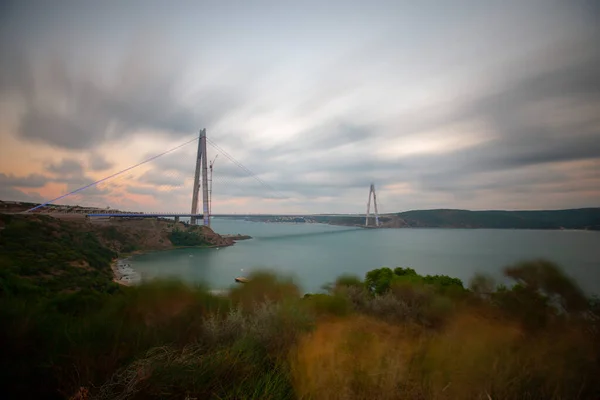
[395, 334]
[165, 339]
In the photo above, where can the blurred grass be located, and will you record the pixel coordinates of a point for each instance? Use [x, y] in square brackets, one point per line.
[393, 335]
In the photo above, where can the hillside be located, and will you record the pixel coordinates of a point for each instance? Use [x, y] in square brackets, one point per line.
[583, 218]
[71, 333]
[38, 252]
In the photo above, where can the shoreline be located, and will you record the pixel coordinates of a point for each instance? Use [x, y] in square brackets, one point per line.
[125, 275]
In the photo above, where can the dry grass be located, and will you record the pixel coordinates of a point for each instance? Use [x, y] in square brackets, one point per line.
[472, 357]
[352, 358]
[169, 340]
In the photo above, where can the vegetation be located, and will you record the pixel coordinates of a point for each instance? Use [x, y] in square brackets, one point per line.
[42, 257]
[584, 218]
[183, 238]
[393, 335]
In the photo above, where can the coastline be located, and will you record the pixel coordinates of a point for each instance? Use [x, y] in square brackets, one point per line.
[125, 275]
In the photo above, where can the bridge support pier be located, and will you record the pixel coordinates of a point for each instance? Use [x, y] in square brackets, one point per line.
[176, 219]
[201, 172]
[372, 192]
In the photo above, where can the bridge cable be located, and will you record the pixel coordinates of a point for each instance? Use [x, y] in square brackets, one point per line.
[113, 175]
[244, 168]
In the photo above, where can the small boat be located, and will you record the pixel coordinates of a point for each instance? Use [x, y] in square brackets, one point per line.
[241, 279]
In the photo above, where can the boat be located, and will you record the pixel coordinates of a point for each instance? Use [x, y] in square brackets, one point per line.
[241, 279]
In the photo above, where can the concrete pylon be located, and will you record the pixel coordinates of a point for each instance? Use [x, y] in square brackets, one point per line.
[201, 173]
[372, 192]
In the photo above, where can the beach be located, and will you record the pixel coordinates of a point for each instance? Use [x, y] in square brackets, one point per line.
[124, 274]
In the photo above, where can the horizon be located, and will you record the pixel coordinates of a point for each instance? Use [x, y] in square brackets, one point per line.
[478, 107]
[343, 214]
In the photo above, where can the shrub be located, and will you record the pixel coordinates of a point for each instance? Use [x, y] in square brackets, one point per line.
[378, 281]
[324, 304]
[183, 238]
[546, 278]
[262, 286]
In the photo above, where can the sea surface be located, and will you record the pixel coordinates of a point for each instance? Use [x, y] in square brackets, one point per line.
[315, 254]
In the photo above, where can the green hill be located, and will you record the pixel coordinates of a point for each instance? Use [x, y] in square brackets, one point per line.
[583, 218]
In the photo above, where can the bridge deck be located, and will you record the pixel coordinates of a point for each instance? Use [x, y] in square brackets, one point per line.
[155, 215]
[124, 215]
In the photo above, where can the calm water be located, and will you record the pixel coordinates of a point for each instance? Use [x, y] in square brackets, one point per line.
[315, 254]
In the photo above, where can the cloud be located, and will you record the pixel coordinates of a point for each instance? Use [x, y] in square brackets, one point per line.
[464, 125]
[143, 190]
[11, 194]
[81, 110]
[162, 178]
[99, 163]
[66, 168]
[29, 181]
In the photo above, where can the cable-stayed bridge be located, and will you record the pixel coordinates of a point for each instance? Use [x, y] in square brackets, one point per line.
[202, 184]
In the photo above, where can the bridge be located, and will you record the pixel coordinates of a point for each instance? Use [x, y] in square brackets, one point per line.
[203, 179]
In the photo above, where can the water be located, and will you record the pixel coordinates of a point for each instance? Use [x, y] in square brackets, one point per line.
[315, 254]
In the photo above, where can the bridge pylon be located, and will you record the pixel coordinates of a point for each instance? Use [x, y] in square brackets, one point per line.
[372, 192]
[201, 172]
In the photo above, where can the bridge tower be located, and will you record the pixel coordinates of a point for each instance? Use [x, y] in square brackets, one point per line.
[372, 192]
[201, 172]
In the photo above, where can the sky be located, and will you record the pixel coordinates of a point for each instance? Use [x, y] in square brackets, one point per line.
[441, 104]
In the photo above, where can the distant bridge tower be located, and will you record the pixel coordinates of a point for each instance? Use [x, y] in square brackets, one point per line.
[372, 192]
[201, 168]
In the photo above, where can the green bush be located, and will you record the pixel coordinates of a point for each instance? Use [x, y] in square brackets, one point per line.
[66, 325]
[324, 304]
[182, 238]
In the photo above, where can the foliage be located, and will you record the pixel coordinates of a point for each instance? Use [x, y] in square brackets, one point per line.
[379, 281]
[584, 218]
[395, 335]
[183, 238]
[45, 256]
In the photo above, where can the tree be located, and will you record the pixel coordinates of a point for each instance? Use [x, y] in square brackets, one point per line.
[379, 281]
